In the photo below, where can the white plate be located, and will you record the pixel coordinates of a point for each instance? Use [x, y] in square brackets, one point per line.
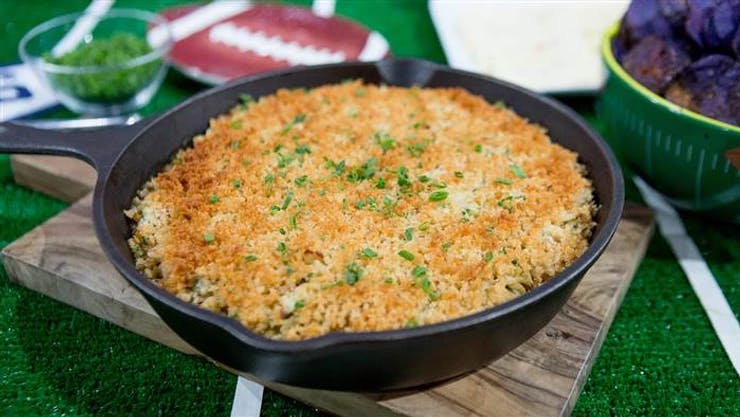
[549, 46]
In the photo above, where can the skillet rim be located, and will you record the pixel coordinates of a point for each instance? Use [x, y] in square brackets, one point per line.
[244, 335]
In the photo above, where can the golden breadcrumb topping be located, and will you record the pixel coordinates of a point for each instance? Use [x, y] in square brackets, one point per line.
[355, 207]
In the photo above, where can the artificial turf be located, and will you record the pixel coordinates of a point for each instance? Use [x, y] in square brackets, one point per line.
[660, 358]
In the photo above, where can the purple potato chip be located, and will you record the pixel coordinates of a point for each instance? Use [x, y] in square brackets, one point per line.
[712, 24]
[674, 11]
[710, 86]
[724, 24]
[619, 49]
[644, 18]
[654, 62]
[697, 19]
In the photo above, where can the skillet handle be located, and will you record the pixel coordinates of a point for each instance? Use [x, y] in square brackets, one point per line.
[99, 147]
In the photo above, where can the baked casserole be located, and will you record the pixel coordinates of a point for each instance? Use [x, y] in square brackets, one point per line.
[355, 207]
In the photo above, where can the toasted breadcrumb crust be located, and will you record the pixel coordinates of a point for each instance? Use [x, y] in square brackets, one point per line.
[355, 207]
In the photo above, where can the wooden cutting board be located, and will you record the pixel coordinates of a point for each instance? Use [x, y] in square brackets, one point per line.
[542, 377]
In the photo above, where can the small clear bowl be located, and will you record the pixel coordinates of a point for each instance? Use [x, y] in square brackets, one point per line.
[100, 90]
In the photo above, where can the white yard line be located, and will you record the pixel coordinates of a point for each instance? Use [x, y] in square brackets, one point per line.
[700, 277]
[247, 399]
[323, 8]
[82, 27]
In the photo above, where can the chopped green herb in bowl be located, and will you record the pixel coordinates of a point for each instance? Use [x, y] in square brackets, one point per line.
[114, 69]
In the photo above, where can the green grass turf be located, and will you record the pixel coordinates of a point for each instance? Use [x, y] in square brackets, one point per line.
[661, 357]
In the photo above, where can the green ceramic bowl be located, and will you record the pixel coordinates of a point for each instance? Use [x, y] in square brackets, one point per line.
[682, 154]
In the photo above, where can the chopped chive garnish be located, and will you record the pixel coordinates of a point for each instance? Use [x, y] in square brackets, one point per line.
[299, 305]
[388, 280]
[385, 141]
[446, 246]
[236, 124]
[466, 213]
[500, 104]
[301, 181]
[250, 258]
[489, 256]
[208, 237]
[274, 209]
[369, 253]
[424, 179]
[504, 181]
[518, 171]
[284, 160]
[281, 247]
[246, 100]
[288, 199]
[412, 323]
[363, 172]
[406, 255]
[416, 149]
[417, 125]
[459, 174]
[302, 149]
[214, 199]
[360, 204]
[426, 286]
[282, 231]
[389, 206]
[338, 167]
[506, 203]
[353, 273]
[293, 222]
[234, 144]
[439, 185]
[360, 92]
[424, 226]
[478, 148]
[380, 184]
[298, 119]
[403, 177]
[419, 271]
[438, 196]
[236, 183]
[503, 201]
[408, 234]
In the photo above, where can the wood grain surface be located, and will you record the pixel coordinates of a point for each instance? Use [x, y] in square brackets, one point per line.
[67, 179]
[542, 377]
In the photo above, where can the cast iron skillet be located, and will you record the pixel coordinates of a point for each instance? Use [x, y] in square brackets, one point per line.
[126, 157]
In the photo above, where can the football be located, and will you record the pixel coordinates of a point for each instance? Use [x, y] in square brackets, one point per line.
[217, 43]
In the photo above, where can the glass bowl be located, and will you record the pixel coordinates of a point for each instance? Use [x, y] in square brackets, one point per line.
[103, 88]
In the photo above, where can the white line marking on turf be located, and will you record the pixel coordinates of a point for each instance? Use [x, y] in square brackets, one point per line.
[82, 27]
[323, 8]
[700, 277]
[247, 399]
[375, 48]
